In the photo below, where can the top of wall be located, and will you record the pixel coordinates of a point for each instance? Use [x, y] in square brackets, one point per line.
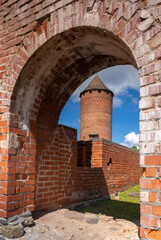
[107, 141]
[68, 128]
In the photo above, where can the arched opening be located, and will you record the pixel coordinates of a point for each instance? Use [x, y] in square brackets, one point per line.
[125, 83]
[45, 84]
[120, 165]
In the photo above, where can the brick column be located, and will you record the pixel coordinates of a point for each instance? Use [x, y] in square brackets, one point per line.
[18, 149]
[150, 185]
[150, 136]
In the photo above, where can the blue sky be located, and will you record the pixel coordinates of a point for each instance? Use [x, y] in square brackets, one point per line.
[124, 82]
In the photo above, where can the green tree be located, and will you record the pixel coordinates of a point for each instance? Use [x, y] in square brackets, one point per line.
[135, 148]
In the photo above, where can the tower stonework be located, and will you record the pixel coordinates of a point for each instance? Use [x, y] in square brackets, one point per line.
[96, 111]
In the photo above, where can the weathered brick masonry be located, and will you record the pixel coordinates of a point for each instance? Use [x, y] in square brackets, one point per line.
[120, 165]
[59, 181]
[96, 111]
[47, 48]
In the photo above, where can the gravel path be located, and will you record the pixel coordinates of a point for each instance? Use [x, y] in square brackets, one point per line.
[71, 225]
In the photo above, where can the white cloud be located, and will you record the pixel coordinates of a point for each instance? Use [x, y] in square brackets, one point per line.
[117, 102]
[135, 101]
[75, 98]
[119, 79]
[131, 139]
[125, 144]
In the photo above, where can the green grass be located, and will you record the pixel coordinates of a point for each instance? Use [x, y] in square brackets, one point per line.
[124, 197]
[126, 207]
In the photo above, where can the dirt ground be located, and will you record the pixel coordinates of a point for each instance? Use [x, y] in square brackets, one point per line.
[65, 224]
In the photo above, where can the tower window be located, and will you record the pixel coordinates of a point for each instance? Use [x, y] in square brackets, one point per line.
[93, 136]
[99, 91]
[90, 91]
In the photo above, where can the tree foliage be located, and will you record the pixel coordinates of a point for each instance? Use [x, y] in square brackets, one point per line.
[135, 148]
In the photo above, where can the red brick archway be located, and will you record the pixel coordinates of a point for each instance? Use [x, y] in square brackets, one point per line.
[47, 50]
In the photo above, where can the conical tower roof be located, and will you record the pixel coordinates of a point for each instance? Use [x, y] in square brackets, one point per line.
[96, 84]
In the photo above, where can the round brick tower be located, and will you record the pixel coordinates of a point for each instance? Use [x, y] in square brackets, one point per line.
[96, 111]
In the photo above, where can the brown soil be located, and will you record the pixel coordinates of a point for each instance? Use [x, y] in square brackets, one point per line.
[71, 225]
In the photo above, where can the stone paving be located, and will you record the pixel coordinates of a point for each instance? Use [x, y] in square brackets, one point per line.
[71, 225]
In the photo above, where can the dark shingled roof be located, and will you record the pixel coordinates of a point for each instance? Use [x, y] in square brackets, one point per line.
[96, 84]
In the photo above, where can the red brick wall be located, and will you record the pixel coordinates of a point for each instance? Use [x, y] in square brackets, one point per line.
[60, 182]
[123, 172]
[77, 183]
[17, 169]
[47, 155]
[125, 169]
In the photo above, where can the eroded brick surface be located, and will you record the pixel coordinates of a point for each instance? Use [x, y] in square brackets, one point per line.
[49, 48]
[120, 165]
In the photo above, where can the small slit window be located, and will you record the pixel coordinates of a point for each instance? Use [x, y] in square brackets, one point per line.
[110, 162]
[99, 91]
[93, 136]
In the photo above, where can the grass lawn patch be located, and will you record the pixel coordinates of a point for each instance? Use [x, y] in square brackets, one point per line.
[126, 207]
[129, 195]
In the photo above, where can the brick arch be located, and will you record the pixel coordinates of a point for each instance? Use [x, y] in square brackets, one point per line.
[45, 84]
[32, 28]
[70, 56]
